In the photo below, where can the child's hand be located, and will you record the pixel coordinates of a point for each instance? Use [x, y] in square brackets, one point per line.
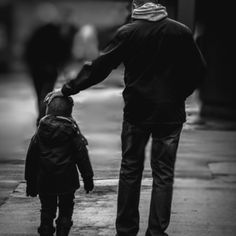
[88, 185]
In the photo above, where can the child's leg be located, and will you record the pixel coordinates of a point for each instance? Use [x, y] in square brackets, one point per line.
[48, 213]
[64, 220]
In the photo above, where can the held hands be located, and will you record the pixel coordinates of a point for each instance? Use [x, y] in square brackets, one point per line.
[53, 94]
[88, 185]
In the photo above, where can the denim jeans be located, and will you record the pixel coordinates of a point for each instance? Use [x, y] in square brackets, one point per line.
[165, 139]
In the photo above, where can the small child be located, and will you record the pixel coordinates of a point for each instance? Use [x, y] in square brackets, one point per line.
[54, 153]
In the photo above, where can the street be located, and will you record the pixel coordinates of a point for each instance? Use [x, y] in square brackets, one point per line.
[204, 198]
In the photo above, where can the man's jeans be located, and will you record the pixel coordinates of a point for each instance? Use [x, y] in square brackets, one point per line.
[165, 139]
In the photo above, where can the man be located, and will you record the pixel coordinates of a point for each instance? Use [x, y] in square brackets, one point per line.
[163, 66]
[47, 51]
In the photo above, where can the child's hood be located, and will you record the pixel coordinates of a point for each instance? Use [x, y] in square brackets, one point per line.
[57, 129]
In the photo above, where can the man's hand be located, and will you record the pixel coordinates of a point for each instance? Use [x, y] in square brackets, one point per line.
[53, 94]
[88, 185]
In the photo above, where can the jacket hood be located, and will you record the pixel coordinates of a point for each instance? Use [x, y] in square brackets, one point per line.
[149, 11]
[56, 129]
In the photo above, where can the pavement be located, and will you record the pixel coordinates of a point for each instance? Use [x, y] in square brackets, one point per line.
[204, 200]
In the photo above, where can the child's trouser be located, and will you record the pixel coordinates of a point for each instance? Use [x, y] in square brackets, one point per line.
[49, 203]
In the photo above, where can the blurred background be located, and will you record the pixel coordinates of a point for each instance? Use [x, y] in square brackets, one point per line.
[68, 32]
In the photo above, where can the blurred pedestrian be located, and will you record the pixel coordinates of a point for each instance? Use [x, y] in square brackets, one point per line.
[85, 47]
[163, 66]
[47, 51]
[55, 152]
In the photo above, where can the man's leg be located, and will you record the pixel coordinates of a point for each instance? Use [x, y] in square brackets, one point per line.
[64, 220]
[134, 140]
[48, 213]
[164, 148]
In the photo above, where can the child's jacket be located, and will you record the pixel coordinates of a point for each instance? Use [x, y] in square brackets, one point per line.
[55, 152]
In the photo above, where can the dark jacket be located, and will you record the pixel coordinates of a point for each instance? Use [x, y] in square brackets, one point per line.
[48, 47]
[163, 66]
[54, 153]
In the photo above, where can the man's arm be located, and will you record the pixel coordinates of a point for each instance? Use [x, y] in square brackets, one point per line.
[96, 71]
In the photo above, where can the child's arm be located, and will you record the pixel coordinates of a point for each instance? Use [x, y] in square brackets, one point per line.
[83, 162]
[31, 168]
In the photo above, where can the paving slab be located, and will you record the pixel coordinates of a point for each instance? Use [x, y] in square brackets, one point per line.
[200, 207]
[223, 168]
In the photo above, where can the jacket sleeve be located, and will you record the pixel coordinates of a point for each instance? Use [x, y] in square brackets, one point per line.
[96, 71]
[31, 163]
[195, 67]
[82, 157]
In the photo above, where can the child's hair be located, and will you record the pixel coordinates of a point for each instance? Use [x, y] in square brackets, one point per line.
[60, 106]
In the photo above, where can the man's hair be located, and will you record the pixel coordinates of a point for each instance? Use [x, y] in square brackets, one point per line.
[138, 3]
[60, 106]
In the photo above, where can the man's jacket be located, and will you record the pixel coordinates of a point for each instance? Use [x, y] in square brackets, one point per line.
[163, 66]
[55, 152]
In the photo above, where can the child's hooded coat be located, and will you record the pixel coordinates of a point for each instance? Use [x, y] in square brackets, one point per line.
[55, 152]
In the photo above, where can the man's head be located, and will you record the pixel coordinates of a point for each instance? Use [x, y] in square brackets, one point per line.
[139, 3]
[60, 106]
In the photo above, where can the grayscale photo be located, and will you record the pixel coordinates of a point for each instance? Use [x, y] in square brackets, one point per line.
[117, 118]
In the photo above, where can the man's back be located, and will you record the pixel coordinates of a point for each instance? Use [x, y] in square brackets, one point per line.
[157, 57]
[162, 67]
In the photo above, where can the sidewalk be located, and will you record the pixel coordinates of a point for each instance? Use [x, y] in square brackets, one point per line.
[204, 201]
[200, 207]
